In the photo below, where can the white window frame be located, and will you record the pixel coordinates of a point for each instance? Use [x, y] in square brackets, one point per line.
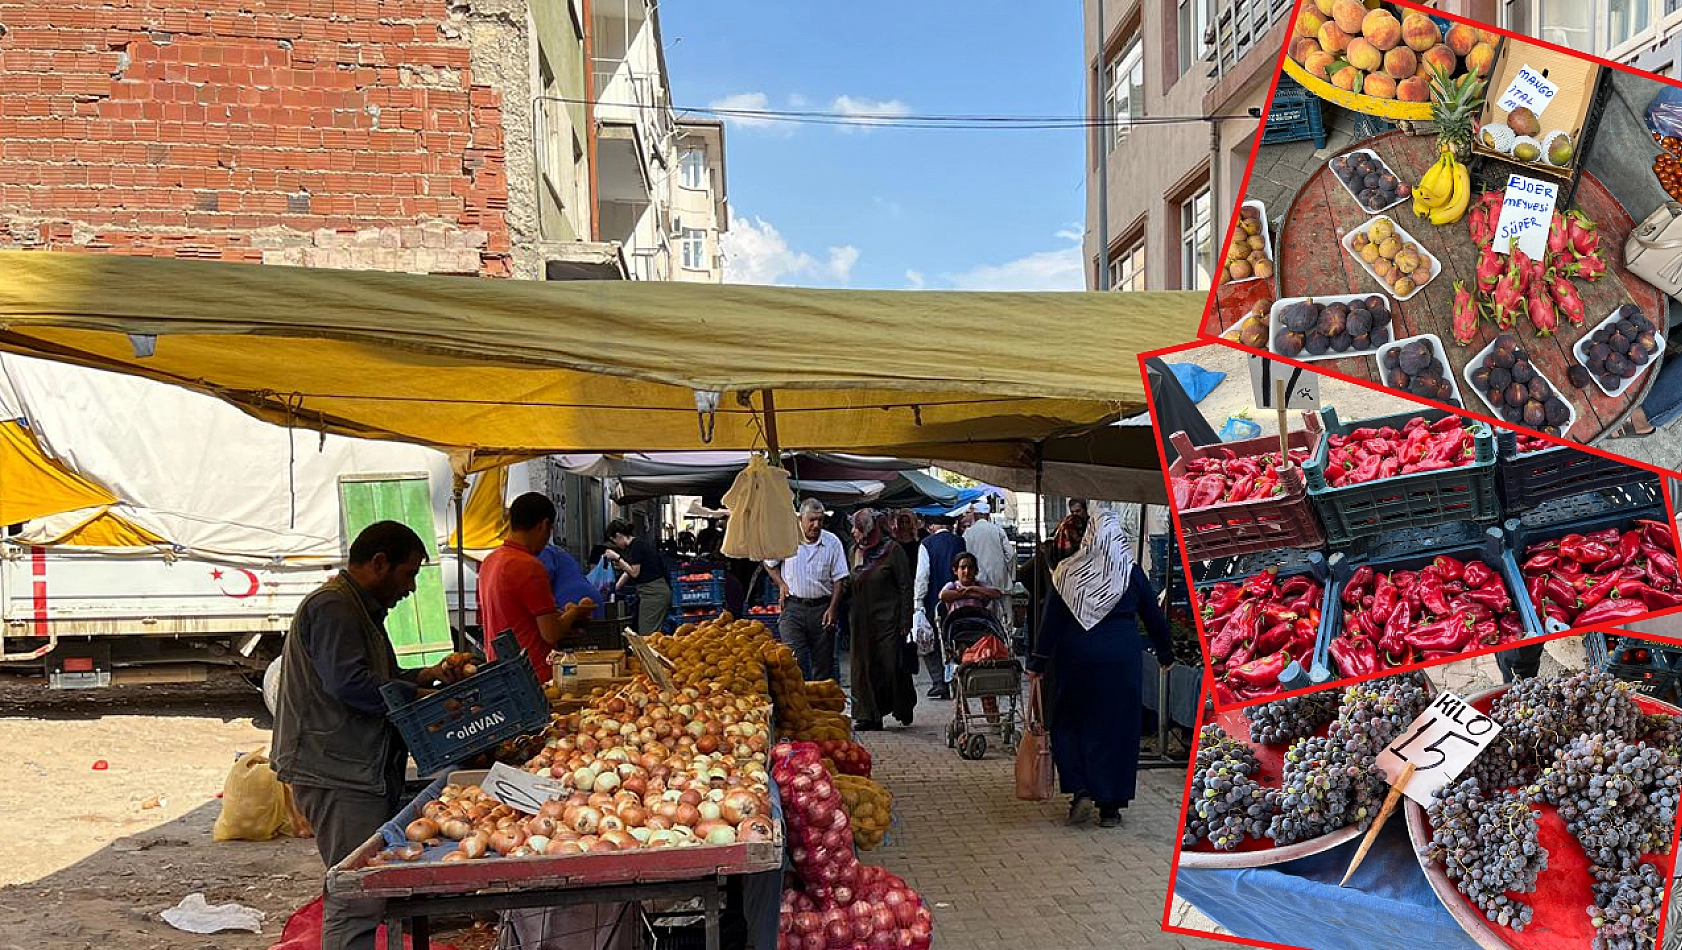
[1196, 50]
[693, 160]
[1130, 64]
[1190, 228]
[693, 243]
[1127, 269]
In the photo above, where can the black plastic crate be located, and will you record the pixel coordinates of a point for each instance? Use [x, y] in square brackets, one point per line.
[1569, 522]
[1561, 512]
[1536, 478]
[500, 702]
[1294, 115]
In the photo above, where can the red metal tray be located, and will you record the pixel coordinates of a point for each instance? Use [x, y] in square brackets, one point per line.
[353, 876]
[1562, 892]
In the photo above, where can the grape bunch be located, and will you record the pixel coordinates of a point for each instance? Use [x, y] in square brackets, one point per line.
[1541, 714]
[1664, 732]
[1626, 911]
[1293, 717]
[1618, 798]
[1488, 846]
[1332, 781]
[1227, 803]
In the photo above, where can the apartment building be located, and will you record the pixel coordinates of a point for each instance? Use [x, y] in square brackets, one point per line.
[700, 205]
[534, 140]
[1646, 34]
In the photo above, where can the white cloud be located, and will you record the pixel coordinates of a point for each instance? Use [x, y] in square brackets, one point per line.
[745, 101]
[797, 101]
[1059, 269]
[867, 111]
[914, 279]
[756, 253]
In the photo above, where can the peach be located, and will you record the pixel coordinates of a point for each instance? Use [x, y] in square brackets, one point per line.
[1318, 63]
[1380, 86]
[1349, 14]
[1401, 62]
[1420, 32]
[1325, 7]
[1346, 78]
[1481, 59]
[1302, 47]
[1489, 36]
[1332, 39]
[1413, 89]
[1309, 22]
[1364, 56]
[1423, 72]
[1461, 38]
[1443, 58]
[1382, 30]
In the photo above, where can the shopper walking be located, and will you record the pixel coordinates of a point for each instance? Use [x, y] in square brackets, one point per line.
[810, 587]
[881, 585]
[643, 567]
[935, 559]
[995, 559]
[332, 741]
[1091, 633]
[907, 533]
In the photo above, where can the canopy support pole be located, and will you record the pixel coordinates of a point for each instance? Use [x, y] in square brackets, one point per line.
[1038, 593]
[771, 442]
[459, 489]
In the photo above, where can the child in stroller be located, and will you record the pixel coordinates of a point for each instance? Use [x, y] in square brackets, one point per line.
[973, 639]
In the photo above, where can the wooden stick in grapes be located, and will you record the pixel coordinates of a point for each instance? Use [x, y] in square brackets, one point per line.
[1377, 823]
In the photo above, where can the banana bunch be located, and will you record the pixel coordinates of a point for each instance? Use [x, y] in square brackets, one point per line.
[1445, 192]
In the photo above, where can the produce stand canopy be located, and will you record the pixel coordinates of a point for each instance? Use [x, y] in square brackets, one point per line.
[499, 370]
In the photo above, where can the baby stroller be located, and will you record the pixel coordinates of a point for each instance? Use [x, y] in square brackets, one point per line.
[992, 680]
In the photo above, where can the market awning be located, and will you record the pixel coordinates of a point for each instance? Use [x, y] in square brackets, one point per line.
[496, 370]
[1110, 463]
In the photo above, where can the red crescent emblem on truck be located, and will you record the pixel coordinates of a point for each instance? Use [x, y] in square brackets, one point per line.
[251, 580]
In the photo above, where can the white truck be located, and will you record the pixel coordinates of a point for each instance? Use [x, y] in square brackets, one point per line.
[148, 532]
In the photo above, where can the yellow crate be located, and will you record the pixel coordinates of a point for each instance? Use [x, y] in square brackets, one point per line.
[1392, 109]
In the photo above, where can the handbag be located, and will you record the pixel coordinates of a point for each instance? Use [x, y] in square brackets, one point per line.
[1653, 251]
[1036, 776]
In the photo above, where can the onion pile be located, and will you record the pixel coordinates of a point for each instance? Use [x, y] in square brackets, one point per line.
[840, 905]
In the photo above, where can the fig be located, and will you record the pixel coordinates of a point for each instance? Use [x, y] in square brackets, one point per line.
[1534, 413]
[1359, 322]
[1423, 387]
[1523, 373]
[1289, 342]
[1415, 357]
[1445, 392]
[1647, 342]
[1435, 367]
[1480, 377]
[1625, 327]
[1539, 388]
[1396, 379]
[1362, 342]
[1578, 376]
[1392, 359]
[1341, 341]
[1317, 343]
[1254, 334]
[1332, 322]
[1599, 351]
[1379, 336]
[1558, 413]
[1502, 358]
[1499, 378]
[1517, 395]
[1374, 303]
[1619, 343]
[1497, 398]
[1299, 317]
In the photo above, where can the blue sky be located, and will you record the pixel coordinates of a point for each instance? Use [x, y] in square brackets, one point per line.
[884, 207]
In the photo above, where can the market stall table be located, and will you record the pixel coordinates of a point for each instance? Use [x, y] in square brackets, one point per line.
[1312, 262]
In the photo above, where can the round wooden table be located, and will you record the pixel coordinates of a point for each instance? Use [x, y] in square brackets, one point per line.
[1312, 262]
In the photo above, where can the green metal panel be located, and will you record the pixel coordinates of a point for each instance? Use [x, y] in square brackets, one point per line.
[419, 626]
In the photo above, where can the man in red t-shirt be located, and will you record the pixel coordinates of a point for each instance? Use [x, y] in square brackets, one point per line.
[514, 589]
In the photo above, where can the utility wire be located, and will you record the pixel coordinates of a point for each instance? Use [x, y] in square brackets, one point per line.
[959, 121]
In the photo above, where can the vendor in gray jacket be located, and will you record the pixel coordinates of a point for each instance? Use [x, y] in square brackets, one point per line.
[332, 741]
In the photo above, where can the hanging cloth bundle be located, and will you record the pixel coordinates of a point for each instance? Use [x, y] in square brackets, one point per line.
[762, 525]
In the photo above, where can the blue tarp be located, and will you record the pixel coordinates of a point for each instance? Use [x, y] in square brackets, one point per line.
[1388, 904]
[1195, 380]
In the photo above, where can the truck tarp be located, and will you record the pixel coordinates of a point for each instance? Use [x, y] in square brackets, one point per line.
[494, 369]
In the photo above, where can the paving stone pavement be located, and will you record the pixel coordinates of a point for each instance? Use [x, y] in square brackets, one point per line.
[1003, 874]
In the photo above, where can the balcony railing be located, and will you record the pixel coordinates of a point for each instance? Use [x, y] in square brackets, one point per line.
[625, 94]
[1239, 26]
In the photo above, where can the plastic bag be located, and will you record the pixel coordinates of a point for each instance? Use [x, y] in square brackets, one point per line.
[1664, 113]
[1237, 429]
[762, 525]
[601, 576]
[922, 634]
[254, 803]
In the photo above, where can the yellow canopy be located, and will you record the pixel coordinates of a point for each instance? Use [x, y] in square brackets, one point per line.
[484, 513]
[35, 486]
[499, 370]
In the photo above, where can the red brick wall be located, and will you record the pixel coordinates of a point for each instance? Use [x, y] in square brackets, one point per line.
[345, 133]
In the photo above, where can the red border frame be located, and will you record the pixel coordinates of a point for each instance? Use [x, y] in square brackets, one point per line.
[1204, 330]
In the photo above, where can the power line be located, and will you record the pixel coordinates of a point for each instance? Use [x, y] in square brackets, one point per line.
[950, 122]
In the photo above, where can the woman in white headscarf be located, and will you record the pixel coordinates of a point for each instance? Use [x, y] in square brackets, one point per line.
[1090, 631]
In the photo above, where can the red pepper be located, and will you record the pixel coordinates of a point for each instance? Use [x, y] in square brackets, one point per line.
[1261, 585]
[1304, 633]
[1259, 673]
[1206, 491]
[1433, 599]
[1455, 588]
[1562, 593]
[1539, 562]
[1486, 632]
[1222, 598]
[1393, 642]
[1537, 588]
[1367, 622]
[1477, 611]
[1274, 639]
[1495, 598]
[1308, 600]
[1356, 586]
[1226, 453]
[1585, 551]
[1354, 656]
[1552, 612]
[1237, 628]
[1366, 471]
[1274, 612]
[1446, 424]
[1404, 579]
[1362, 434]
[1600, 591]
[1628, 546]
[1449, 568]
[1659, 599]
[1452, 633]
[1240, 489]
[1224, 694]
[1660, 564]
[1658, 534]
[1568, 567]
[1608, 611]
[1511, 627]
[1431, 465]
[1242, 653]
[1606, 536]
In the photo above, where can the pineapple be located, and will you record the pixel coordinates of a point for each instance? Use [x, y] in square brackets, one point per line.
[1454, 102]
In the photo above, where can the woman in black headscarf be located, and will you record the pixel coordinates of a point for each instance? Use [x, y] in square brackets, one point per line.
[881, 587]
[1099, 598]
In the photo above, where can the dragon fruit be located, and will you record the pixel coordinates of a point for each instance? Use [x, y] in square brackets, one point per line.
[1569, 303]
[1559, 241]
[1583, 235]
[1521, 266]
[1507, 301]
[1541, 311]
[1490, 266]
[1565, 262]
[1590, 269]
[1465, 314]
[1477, 222]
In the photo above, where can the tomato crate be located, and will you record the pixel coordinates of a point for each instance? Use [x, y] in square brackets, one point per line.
[1653, 666]
[1419, 500]
[500, 702]
[1622, 518]
[1532, 479]
[698, 589]
[1493, 549]
[1285, 520]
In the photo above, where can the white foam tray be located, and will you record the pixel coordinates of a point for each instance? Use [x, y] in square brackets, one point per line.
[1436, 348]
[1581, 352]
[1356, 195]
[1280, 304]
[1349, 245]
[1483, 356]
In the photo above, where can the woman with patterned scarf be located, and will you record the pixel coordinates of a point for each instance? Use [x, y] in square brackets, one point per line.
[1091, 631]
[881, 587]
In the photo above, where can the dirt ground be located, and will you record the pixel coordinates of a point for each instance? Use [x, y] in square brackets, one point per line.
[96, 865]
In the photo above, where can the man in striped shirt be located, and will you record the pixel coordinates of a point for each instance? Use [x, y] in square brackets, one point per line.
[810, 585]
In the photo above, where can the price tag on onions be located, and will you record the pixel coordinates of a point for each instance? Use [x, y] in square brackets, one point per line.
[519, 789]
[1445, 739]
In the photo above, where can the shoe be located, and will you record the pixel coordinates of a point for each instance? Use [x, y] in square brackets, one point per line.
[1080, 810]
[873, 725]
[1109, 818]
[903, 720]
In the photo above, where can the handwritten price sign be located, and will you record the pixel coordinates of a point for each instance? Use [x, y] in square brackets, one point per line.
[1445, 739]
[1526, 214]
[519, 789]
